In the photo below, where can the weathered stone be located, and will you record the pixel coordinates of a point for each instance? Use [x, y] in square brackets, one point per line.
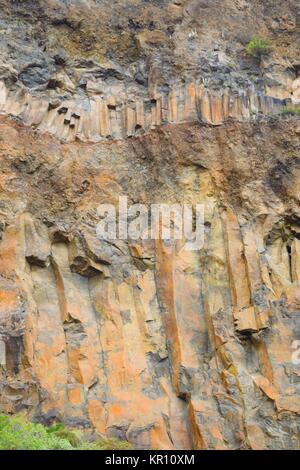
[80, 263]
[37, 242]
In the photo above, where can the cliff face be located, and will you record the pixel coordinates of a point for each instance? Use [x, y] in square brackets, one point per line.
[148, 342]
[142, 340]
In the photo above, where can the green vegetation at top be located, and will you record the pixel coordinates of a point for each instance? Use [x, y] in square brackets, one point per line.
[258, 47]
[17, 433]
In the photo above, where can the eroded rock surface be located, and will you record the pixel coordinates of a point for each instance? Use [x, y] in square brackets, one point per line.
[146, 341]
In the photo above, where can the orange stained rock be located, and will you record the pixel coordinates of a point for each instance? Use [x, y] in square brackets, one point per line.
[104, 120]
[190, 110]
[217, 109]
[295, 257]
[97, 415]
[75, 395]
[255, 437]
[205, 108]
[264, 384]
[173, 110]
[236, 262]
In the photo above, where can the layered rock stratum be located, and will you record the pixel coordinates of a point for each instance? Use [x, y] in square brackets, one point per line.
[157, 101]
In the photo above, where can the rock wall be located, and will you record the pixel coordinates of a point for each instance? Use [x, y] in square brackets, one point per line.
[142, 340]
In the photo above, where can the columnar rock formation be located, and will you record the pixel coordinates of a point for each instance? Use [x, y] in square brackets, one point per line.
[108, 117]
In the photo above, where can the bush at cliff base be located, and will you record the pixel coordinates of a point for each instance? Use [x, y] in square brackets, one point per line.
[17, 433]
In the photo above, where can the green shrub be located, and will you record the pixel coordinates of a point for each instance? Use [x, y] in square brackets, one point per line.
[16, 433]
[258, 47]
[60, 431]
[56, 427]
[107, 444]
[290, 110]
